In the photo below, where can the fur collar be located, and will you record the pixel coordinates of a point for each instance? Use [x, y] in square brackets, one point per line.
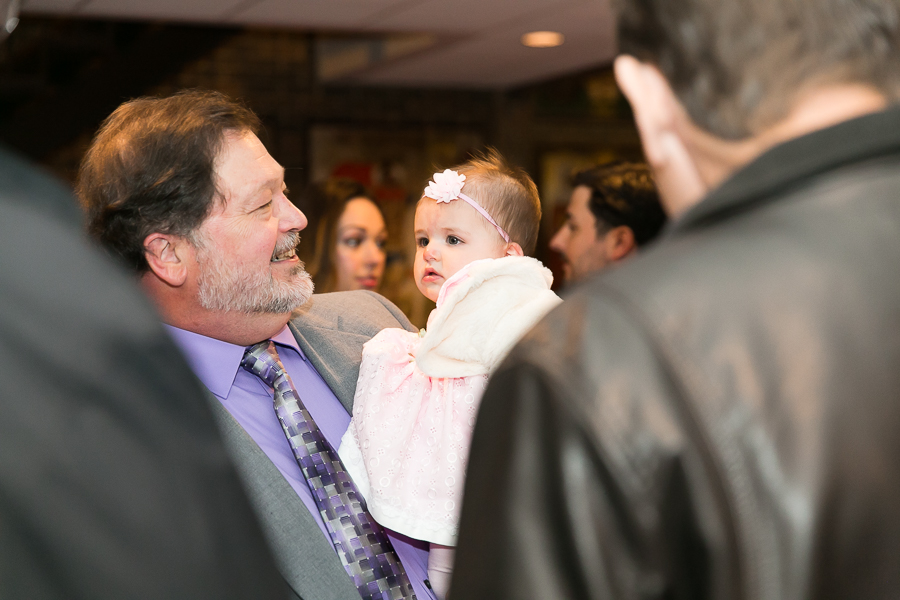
[482, 312]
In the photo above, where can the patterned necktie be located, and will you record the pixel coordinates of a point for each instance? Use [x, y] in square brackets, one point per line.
[364, 548]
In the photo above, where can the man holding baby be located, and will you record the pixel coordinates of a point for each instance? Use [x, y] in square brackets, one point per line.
[183, 191]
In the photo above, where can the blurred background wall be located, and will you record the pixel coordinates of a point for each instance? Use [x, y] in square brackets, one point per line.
[325, 111]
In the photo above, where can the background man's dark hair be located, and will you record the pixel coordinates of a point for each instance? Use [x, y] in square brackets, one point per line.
[151, 168]
[737, 65]
[623, 193]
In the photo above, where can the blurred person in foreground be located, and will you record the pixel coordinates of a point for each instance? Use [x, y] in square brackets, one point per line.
[113, 481]
[718, 417]
[614, 210]
[184, 192]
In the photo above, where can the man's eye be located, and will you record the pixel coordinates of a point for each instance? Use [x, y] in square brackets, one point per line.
[265, 206]
[453, 240]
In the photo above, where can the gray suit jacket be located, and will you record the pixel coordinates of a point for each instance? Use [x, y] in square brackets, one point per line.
[331, 329]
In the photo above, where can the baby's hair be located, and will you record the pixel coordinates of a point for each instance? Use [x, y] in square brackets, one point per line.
[507, 193]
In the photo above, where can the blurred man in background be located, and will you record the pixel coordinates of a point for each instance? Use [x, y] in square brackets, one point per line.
[614, 210]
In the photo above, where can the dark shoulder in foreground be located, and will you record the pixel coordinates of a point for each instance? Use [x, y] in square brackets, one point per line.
[133, 497]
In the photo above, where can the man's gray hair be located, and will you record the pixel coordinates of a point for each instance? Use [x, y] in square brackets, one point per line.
[738, 65]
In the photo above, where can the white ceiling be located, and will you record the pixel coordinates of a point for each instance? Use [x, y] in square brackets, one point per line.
[476, 41]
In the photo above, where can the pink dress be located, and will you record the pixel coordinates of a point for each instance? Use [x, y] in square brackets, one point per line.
[408, 442]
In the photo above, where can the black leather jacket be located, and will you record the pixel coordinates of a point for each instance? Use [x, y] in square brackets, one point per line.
[720, 418]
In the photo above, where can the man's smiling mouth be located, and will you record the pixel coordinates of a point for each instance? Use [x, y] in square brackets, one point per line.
[286, 255]
[286, 249]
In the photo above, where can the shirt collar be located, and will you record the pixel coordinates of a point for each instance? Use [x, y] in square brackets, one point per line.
[215, 362]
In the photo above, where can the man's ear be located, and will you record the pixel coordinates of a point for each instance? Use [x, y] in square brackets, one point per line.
[165, 254]
[646, 91]
[514, 249]
[619, 243]
[657, 113]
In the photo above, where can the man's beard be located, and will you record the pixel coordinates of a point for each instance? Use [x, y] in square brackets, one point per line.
[223, 287]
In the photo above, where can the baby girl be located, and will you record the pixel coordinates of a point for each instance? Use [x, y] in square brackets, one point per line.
[417, 395]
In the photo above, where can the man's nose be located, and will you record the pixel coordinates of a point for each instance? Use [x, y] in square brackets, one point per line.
[557, 243]
[290, 218]
[372, 253]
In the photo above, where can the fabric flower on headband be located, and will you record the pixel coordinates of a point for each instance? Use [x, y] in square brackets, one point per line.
[446, 186]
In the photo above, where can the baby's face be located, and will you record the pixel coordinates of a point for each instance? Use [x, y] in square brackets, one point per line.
[448, 237]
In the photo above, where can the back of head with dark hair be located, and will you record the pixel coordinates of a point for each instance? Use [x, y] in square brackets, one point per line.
[151, 168]
[623, 193]
[738, 65]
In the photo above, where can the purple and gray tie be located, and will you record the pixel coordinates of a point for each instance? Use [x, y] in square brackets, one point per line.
[364, 549]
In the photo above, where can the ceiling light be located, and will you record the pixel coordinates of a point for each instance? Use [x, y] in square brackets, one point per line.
[543, 39]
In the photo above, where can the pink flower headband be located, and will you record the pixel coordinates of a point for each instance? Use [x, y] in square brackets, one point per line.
[448, 186]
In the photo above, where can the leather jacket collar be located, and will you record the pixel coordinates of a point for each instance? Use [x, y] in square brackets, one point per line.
[780, 168]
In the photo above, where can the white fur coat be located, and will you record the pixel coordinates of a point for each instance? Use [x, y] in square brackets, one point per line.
[482, 312]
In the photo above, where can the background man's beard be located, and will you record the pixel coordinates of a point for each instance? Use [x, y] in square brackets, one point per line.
[226, 288]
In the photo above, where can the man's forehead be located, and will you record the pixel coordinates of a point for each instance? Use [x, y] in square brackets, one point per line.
[581, 193]
[244, 167]
[244, 147]
[578, 203]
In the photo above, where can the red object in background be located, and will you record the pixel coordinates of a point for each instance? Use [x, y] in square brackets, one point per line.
[555, 264]
[554, 260]
[359, 172]
[386, 194]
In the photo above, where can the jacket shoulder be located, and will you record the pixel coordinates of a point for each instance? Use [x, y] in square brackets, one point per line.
[361, 312]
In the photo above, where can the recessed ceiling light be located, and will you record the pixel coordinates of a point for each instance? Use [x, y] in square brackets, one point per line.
[543, 39]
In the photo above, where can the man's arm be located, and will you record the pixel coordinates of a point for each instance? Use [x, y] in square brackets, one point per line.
[391, 308]
[332, 328]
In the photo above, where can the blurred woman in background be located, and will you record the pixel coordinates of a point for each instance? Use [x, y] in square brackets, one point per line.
[349, 240]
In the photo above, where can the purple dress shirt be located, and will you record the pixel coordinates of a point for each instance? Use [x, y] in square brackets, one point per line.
[249, 400]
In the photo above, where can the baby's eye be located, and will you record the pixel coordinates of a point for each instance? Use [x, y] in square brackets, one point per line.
[421, 242]
[453, 240]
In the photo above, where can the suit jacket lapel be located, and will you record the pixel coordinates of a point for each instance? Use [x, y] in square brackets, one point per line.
[305, 558]
[335, 354]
